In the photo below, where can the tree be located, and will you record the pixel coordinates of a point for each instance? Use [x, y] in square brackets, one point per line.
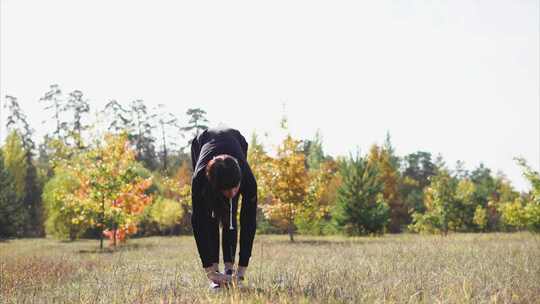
[55, 103]
[142, 126]
[18, 122]
[197, 121]
[485, 184]
[418, 168]
[314, 152]
[490, 193]
[513, 214]
[389, 148]
[15, 163]
[480, 217]
[262, 166]
[79, 108]
[12, 213]
[27, 189]
[388, 175]
[315, 216]
[166, 121]
[360, 207]
[501, 193]
[65, 216]
[439, 201]
[289, 181]
[532, 208]
[166, 214]
[465, 205]
[111, 195]
[47, 155]
[118, 117]
[460, 171]
[161, 216]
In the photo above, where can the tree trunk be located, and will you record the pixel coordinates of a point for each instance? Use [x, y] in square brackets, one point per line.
[164, 149]
[290, 226]
[102, 216]
[114, 236]
[291, 233]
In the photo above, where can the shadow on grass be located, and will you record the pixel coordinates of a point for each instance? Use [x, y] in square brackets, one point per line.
[118, 248]
[97, 251]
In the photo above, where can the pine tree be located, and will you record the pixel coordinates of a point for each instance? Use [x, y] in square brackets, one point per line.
[117, 116]
[79, 108]
[56, 104]
[360, 207]
[12, 215]
[197, 121]
[31, 192]
[16, 169]
[142, 127]
[315, 154]
[169, 130]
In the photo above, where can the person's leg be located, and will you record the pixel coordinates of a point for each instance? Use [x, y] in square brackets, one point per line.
[230, 237]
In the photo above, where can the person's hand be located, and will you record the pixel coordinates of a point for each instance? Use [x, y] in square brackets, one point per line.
[216, 276]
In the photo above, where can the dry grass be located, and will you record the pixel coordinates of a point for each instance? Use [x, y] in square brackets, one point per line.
[462, 268]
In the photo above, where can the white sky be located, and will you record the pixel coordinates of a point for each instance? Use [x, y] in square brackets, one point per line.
[460, 78]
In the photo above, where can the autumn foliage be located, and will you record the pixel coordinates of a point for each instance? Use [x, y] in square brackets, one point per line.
[110, 195]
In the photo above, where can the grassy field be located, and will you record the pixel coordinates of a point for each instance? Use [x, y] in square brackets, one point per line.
[461, 268]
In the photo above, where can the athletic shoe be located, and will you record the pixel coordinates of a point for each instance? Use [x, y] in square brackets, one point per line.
[214, 286]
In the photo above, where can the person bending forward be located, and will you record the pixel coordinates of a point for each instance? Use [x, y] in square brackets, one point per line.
[220, 174]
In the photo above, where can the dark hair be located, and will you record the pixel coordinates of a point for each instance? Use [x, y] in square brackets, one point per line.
[223, 172]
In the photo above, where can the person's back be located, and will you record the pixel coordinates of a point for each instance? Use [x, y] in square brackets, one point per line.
[213, 142]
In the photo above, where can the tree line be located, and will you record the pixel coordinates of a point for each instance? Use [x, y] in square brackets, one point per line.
[119, 171]
[49, 188]
[304, 190]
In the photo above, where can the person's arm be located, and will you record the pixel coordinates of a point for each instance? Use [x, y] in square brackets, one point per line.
[200, 222]
[195, 151]
[248, 215]
[243, 143]
[199, 216]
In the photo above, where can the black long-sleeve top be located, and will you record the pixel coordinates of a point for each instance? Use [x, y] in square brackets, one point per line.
[205, 146]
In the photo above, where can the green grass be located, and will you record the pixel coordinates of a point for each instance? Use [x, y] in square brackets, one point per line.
[461, 268]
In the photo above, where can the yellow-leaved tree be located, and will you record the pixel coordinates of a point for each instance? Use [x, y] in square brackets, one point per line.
[262, 166]
[287, 180]
[315, 214]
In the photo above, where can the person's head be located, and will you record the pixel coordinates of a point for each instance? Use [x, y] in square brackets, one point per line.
[224, 174]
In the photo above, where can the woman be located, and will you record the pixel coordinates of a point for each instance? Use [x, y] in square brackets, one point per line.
[220, 174]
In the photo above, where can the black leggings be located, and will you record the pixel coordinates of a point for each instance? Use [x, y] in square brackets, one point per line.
[229, 238]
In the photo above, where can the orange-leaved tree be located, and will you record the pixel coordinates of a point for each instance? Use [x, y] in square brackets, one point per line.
[111, 195]
[388, 175]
